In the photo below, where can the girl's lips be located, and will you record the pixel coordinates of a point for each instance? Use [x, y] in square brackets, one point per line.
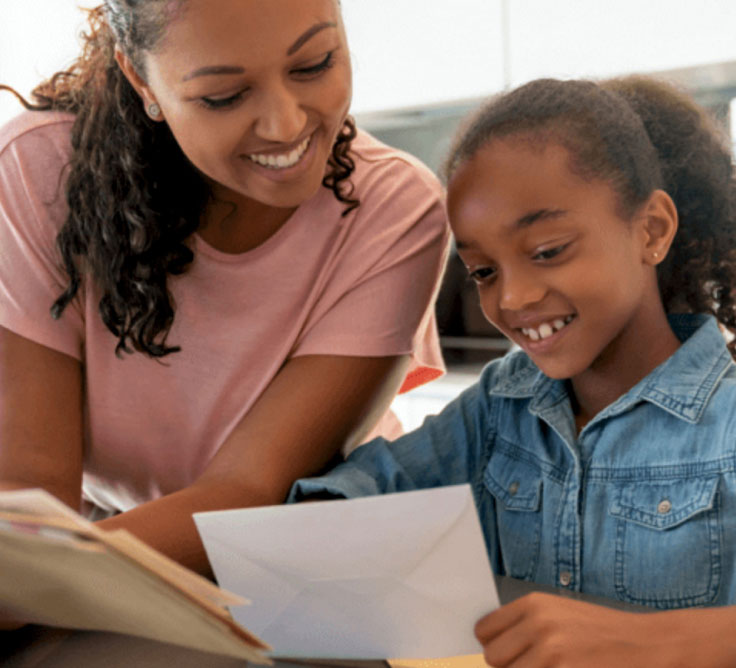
[543, 344]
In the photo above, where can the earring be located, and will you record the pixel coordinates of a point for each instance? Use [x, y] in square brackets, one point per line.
[154, 111]
[656, 255]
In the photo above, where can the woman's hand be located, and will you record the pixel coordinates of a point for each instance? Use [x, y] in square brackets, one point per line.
[547, 631]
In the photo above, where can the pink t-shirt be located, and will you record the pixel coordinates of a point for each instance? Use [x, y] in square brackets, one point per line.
[322, 284]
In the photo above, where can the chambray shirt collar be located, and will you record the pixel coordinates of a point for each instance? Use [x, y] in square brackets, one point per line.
[682, 385]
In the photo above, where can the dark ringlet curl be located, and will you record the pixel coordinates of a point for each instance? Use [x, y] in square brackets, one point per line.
[134, 198]
[638, 135]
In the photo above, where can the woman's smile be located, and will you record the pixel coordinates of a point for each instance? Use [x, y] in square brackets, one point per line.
[282, 159]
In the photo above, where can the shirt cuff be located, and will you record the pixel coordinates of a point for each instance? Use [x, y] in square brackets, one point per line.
[343, 482]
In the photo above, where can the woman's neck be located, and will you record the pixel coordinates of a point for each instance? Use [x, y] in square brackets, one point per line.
[240, 226]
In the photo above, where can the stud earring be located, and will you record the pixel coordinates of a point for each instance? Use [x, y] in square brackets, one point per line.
[154, 111]
[656, 255]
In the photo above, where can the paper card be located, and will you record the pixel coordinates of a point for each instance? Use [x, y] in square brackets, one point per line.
[399, 575]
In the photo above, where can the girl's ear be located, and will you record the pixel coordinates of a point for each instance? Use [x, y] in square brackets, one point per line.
[659, 226]
[148, 99]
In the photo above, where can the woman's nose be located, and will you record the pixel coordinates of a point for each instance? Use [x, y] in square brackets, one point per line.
[280, 116]
[520, 290]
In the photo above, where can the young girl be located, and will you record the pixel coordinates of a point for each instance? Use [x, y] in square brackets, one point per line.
[210, 280]
[598, 223]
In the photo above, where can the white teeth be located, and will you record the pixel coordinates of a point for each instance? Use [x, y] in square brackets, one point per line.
[547, 329]
[281, 161]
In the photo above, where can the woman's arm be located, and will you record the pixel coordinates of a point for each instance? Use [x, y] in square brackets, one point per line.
[547, 631]
[40, 419]
[314, 406]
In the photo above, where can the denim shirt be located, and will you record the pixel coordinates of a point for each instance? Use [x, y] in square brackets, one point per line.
[639, 506]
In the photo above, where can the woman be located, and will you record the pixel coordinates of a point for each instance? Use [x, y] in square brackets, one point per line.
[241, 281]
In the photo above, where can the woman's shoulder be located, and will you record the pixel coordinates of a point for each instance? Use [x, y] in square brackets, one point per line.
[377, 162]
[33, 127]
[35, 149]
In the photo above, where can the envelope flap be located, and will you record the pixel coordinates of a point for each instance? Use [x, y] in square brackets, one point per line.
[338, 539]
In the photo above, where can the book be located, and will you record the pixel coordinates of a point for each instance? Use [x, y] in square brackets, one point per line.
[58, 569]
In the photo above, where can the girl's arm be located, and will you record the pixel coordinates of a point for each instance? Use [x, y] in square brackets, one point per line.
[314, 406]
[547, 631]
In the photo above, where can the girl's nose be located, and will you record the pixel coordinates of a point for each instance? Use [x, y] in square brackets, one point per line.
[280, 116]
[521, 290]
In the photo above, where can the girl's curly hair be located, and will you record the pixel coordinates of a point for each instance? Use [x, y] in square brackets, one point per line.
[638, 134]
[134, 198]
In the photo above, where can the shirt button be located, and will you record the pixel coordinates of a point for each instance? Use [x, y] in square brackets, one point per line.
[513, 488]
[664, 507]
[565, 578]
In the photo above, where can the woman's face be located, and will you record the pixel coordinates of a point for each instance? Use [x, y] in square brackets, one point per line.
[255, 92]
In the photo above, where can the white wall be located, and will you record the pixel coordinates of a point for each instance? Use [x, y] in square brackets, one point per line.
[37, 38]
[415, 52]
[411, 52]
[573, 38]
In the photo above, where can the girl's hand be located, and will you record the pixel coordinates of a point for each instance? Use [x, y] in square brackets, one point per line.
[547, 631]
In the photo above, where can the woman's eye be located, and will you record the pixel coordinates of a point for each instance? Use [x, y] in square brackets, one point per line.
[482, 274]
[315, 70]
[222, 102]
[549, 253]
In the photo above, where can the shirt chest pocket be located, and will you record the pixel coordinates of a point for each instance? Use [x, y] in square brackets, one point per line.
[668, 542]
[516, 486]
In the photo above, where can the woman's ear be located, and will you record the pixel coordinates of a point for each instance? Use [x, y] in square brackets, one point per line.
[659, 225]
[148, 99]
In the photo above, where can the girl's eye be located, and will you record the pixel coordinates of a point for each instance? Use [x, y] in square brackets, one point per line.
[315, 70]
[222, 102]
[483, 275]
[549, 253]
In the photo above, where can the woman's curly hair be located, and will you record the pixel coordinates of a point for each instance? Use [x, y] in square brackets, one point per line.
[134, 198]
[638, 134]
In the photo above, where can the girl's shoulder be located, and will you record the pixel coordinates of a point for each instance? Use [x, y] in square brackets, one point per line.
[514, 376]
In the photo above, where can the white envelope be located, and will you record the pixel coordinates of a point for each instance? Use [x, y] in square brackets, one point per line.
[399, 575]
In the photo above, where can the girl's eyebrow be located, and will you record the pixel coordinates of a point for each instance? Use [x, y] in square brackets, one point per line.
[527, 220]
[536, 216]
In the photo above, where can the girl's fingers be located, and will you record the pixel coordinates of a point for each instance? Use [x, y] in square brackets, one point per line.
[499, 620]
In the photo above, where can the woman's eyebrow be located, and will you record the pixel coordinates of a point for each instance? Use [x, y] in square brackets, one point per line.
[301, 41]
[234, 69]
[213, 70]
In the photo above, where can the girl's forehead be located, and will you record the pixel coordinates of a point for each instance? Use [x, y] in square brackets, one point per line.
[509, 182]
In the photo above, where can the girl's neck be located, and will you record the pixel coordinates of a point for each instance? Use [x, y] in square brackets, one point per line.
[632, 356]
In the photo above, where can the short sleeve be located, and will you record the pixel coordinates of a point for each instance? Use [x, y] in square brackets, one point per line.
[33, 157]
[379, 301]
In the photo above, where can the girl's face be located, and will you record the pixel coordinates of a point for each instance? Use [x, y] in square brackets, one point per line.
[255, 92]
[558, 271]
